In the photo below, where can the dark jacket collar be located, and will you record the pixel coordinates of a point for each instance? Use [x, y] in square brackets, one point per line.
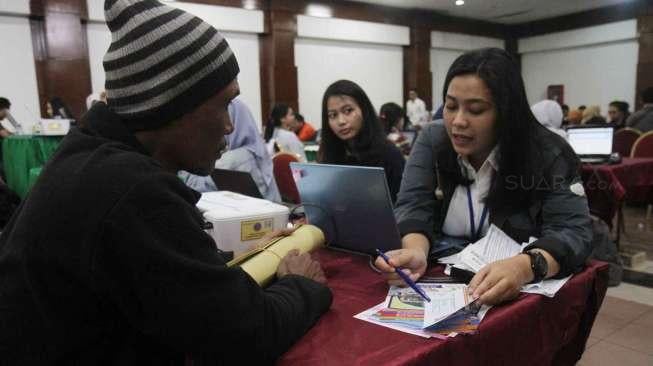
[101, 121]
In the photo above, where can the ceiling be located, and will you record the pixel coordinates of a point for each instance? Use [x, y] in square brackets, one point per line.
[502, 11]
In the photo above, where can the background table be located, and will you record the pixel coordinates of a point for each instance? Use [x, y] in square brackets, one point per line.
[533, 330]
[22, 153]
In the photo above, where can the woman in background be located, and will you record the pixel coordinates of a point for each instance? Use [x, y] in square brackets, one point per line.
[352, 134]
[592, 116]
[55, 108]
[392, 120]
[550, 115]
[246, 153]
[276, 135]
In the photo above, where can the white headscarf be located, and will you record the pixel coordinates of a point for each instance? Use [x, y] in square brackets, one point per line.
[549, 114]
[246, 135]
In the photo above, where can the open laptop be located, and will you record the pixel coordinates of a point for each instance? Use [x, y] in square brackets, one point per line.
[350, 204]
[592, 144]
[235, 181]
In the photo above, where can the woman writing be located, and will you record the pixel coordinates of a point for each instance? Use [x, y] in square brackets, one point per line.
[492, 163]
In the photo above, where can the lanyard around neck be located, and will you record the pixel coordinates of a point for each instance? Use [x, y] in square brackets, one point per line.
[476, 234]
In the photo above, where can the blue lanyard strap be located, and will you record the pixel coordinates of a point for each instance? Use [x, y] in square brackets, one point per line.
[475, 233]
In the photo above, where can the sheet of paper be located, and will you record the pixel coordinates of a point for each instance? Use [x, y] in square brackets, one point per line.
[368, 316]
[446, 299]
[547, 287]
[494, 246]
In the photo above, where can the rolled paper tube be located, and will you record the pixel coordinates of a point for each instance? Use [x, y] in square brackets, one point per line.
[262, 263]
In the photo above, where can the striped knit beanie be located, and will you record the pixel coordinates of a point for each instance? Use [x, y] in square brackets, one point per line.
[162, 62]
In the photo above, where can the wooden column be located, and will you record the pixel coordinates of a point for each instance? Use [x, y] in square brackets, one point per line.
[645, 59]
[277, 59]
[61, 53]
[417, 65]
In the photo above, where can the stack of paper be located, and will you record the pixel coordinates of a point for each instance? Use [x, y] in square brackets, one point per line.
[494, 246]
[450, 312]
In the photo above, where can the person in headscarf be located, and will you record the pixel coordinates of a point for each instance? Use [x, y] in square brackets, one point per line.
[549, 114]
[246, 153]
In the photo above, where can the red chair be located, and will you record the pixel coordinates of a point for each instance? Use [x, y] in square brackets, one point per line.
[643, 147]
[283, 176]
[623, 140]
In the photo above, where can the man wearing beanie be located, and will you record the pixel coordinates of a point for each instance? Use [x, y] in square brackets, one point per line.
[106, 261]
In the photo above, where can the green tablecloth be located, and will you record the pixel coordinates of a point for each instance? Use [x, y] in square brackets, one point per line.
[33, 176]
[22, 153]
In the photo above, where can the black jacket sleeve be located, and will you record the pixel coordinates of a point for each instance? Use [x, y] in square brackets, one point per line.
[164, 274]
[566, 231]
[394, 162]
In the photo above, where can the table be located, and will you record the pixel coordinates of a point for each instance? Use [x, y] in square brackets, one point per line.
[22, 153]
[607, 186]
[533, 330]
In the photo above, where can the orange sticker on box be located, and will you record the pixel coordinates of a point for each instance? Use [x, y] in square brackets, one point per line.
[255, 229]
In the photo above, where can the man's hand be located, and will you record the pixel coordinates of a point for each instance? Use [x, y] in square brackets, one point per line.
[302, 265]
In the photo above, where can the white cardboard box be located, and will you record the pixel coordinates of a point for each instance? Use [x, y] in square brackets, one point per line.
[240, 221]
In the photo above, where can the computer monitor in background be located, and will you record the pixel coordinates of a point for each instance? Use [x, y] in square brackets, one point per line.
[591, 143]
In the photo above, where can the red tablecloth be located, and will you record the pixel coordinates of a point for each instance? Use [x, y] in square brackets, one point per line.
[533, 330]
[608, 185]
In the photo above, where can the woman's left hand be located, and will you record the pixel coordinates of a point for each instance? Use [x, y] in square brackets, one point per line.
[501, 280]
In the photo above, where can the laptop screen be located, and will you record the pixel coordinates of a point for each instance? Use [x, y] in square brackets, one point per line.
[591, 140]
[235, 181]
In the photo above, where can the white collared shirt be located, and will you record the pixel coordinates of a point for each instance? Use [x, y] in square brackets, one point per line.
[457, 222]
[416, 111]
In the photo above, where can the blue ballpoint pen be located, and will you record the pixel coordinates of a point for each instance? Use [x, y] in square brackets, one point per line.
[405, 277]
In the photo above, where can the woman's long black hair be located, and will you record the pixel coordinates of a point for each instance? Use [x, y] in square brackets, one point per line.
[390, 114]
[520, 138]
[367, 146]
[59, 108]
[278, 112]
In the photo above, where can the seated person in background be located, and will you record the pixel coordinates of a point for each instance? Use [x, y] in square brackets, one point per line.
[592, 116]
[550, 115]
[5, 106]
[391, 116]
[574, 117]
[276, 134]
[492, 163]
[302, 129]
[643, 119]
[55, 108]
[618, 113]
[565, 113]
[120, 270]
[246, 153]
[95, 98]
[352, 134]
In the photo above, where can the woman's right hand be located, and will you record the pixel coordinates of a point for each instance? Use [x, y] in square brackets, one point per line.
[411, 260]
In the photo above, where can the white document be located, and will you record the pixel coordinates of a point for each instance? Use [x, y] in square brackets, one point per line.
[494, 246]
[367, 316]
[547, 287]
[446, 299]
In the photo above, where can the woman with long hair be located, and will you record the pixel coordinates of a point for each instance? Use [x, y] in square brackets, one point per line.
[352, 134]
[392, 119]
[276, 134]
[491, 163]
